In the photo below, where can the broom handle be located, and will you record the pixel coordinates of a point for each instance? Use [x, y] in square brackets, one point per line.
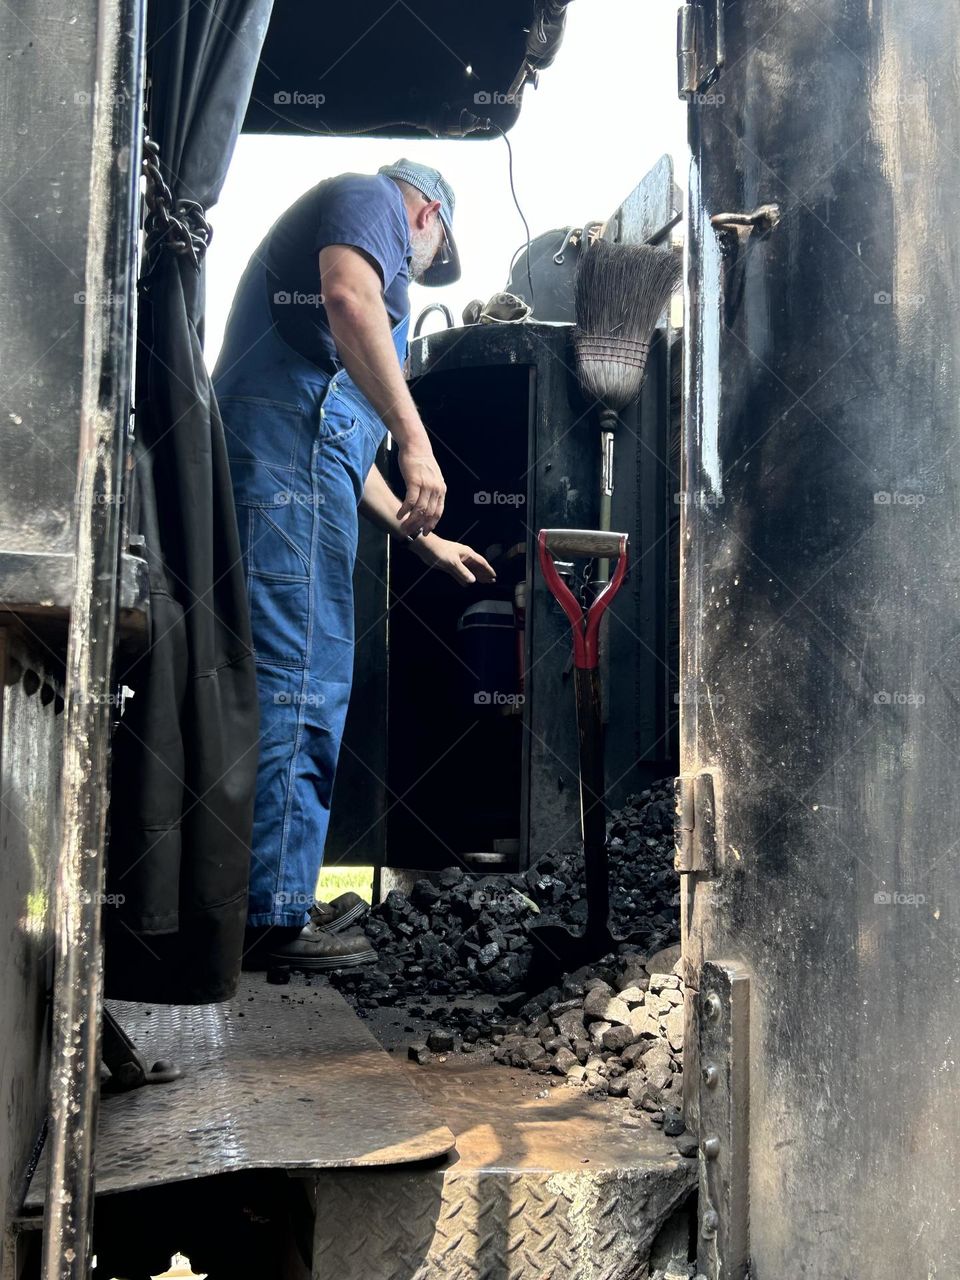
[608, 423]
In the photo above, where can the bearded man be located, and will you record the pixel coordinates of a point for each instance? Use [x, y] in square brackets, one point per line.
[309, 380]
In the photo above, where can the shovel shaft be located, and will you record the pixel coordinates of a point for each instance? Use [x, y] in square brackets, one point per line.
[586, 657]
[592, 808]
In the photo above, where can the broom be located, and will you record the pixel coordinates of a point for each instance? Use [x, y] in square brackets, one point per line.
[620, 293]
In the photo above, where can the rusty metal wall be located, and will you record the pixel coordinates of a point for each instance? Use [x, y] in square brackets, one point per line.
[821, 608]
[30, 745]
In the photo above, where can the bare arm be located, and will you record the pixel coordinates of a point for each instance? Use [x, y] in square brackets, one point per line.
[379, 504]
[353, 299]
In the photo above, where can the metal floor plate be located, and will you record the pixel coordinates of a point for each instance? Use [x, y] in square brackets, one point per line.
[544, 1188]
[278, 1078]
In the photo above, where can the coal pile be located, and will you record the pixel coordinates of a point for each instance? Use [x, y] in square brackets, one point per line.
[458, 934]
[615, 1029]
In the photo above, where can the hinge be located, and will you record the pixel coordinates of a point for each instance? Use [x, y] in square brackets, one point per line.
[696, 833]
[695, 67]
[723, 1018]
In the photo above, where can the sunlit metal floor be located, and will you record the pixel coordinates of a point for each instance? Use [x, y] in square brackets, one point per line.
[541, 1188]
[278, 1078]
[457, 1170]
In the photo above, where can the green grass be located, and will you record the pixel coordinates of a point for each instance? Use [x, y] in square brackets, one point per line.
[336, 880]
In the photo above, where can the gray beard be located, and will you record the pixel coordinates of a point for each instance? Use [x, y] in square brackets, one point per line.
[424, 246]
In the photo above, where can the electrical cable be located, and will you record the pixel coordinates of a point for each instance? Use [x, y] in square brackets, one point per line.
[513, 192]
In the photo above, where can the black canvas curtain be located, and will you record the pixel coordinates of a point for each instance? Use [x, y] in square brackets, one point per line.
[185, 751]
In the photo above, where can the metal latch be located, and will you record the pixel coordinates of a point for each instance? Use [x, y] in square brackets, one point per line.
[695, 69]
[696, 831]
[723, 1018]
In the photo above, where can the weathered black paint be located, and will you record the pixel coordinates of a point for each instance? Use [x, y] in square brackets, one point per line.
[105, 396]
[821, 614]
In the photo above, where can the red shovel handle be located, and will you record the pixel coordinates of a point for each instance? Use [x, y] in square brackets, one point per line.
[585, 625]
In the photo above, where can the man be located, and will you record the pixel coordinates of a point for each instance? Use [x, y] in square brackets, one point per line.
[309, 380]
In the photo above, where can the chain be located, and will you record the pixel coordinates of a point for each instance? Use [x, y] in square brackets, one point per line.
[585, 589]
[180, 224]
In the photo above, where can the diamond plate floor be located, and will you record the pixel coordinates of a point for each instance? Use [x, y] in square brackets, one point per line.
[542, 1188]
[278, 1078]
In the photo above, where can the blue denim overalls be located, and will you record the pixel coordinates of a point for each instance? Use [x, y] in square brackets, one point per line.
[300, 444]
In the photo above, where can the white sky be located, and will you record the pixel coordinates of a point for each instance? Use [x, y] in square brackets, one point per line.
[604, 113]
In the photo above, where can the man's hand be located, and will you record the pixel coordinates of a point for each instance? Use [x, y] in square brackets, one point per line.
[423, 502]
[456, 558]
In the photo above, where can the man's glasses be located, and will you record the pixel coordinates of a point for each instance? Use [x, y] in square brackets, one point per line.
[446, 253]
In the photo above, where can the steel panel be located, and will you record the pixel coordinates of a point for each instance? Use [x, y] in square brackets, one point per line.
[544, 1188]
[821, 586]
[31, 732]
[277, 1078]
[45, 161]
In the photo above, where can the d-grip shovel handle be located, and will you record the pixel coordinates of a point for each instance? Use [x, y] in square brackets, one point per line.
[582, 542]
[586, 628]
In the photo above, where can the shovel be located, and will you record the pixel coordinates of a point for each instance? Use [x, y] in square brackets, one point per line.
[557, 950]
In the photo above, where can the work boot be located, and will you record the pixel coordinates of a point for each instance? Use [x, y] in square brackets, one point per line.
[260, 940]
[339, 914]
[316, 948]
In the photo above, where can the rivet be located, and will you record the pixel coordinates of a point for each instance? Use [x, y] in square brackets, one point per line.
[710, 1148]
[710, 1075]
[712, 1007]
[710, 1223]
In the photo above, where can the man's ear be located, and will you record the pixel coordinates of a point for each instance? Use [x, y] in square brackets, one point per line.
[424, 212]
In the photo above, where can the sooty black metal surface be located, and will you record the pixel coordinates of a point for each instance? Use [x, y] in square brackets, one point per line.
[821, 604]
[278, 1078]
[401, 70]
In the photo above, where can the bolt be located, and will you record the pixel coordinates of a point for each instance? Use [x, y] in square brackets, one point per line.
[710, 1074]
[710, 1223]
[710, 1148]
[712, 1006]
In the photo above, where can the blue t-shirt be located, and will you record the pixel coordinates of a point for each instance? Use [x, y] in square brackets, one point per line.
[358, 209]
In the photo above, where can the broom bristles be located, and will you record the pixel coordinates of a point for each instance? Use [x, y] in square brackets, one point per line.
[621, 291]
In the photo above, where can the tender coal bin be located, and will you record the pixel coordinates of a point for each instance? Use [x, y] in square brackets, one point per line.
[614, 1028]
